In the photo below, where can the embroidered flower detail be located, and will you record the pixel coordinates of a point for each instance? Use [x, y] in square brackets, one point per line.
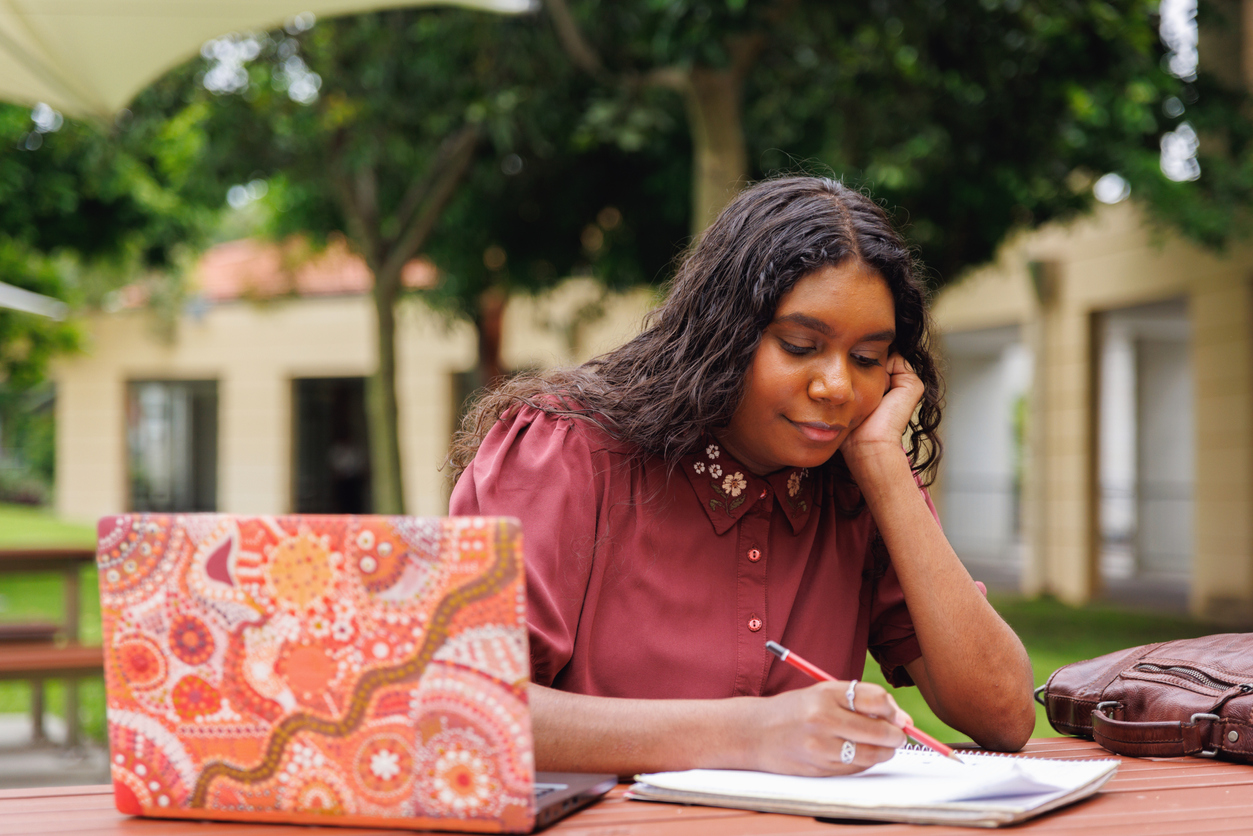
[715, 471]
[699, 467]
[734, 483]
[794, 489]
[712, 451]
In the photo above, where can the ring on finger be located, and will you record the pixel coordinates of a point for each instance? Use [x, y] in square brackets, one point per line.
[850, 695]
[848, 751]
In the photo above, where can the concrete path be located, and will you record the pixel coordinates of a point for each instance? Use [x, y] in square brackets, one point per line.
[23, 764]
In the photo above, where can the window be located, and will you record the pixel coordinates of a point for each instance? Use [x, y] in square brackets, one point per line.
[172, 443]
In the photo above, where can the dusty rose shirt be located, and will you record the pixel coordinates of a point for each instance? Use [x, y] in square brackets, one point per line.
[644, 585]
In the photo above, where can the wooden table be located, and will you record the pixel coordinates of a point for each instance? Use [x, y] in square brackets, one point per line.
[1146, 798]
[68, 562]
[67, 659]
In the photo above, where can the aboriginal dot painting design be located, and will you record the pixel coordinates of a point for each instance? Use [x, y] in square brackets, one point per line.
[343, 670]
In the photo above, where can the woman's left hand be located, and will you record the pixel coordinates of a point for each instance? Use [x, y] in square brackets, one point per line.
[884, 428]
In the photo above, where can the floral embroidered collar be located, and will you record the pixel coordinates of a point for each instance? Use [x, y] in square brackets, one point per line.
[727, 489]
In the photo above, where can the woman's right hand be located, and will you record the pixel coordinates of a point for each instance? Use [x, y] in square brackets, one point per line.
[803, 732]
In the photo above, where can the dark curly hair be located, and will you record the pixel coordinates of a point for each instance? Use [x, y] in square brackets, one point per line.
[684, 375]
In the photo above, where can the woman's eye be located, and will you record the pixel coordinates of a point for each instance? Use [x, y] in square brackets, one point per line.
[868, 362]
[794, 349]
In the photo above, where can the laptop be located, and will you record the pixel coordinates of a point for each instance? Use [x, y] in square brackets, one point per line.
[331, 670]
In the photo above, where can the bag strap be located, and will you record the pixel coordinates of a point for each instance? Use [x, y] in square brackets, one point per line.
[1204, 735]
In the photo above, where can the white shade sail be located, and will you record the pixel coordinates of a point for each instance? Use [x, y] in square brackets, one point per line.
[23, 300]
[90, 57]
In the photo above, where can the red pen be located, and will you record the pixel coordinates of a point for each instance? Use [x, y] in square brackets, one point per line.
[818, 673]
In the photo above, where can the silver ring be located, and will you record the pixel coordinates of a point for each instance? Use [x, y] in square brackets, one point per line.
[850, 694]
[848, 751]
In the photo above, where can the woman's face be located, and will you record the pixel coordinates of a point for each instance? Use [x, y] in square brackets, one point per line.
[820, 370]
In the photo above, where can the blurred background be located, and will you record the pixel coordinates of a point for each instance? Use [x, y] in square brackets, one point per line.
[260, 265]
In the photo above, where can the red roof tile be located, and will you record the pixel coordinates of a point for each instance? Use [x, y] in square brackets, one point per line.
[255, 269]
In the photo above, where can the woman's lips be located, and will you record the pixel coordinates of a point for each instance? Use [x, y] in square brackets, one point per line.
[818, 431]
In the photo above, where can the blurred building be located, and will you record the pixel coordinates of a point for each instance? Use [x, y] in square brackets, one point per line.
[254, 400]
[1097, 430]
[1100, 389]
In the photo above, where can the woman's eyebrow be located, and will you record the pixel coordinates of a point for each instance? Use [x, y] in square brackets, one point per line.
[807, 321]
[815, 324]
[880, 337]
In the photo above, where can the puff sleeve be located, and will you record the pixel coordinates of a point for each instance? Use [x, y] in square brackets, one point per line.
[543, 470]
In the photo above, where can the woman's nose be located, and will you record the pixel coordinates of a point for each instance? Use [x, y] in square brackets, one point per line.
[831, 382]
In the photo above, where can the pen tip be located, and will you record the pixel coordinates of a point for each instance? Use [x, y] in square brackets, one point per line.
[775, 648]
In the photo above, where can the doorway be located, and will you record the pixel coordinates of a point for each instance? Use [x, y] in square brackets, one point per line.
[331, 472]
[989, 375]
[1147, 453]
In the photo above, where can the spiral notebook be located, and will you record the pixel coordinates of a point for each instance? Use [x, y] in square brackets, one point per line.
[916, 786]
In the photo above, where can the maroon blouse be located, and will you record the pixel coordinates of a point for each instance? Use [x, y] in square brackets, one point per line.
[644, 584]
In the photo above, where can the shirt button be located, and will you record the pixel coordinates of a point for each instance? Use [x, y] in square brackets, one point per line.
[754, 624]
[754, 555]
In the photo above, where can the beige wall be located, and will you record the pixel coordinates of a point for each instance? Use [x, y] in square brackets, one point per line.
[1108, 261]
[255, 350]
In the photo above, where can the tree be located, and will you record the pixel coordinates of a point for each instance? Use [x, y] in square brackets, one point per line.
[472, 139]
[371, 126]
[973, 118]
[82, 206]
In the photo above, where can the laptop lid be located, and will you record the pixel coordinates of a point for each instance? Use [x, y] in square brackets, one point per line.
[352, 670]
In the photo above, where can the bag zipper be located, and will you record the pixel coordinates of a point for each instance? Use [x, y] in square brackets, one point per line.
[1197, 676]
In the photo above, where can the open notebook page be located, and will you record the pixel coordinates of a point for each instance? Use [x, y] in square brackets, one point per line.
[912, 779]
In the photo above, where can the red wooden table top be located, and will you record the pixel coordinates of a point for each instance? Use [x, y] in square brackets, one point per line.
[1145, 798]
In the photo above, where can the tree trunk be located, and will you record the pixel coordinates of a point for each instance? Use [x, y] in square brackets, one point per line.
[720, 155]
[423, 202]
[387, 483]
[489, 321]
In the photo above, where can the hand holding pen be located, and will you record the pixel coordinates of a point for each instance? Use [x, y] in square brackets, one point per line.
[849, 749]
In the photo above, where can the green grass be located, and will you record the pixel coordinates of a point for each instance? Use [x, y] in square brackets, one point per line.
[23, 526]
[1055, 635]
[38, 597]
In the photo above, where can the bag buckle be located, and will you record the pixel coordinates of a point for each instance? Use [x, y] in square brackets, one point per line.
[1107, 708]
[1038, 694]
[1201, 715]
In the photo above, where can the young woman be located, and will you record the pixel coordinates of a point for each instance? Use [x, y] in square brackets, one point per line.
[736, 474]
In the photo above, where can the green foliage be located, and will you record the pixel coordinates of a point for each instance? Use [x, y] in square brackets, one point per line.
[393, 85]
[27, 341]
[601, 212]
[972, 119]
[82, 190]
[975, 119]
[82, 209]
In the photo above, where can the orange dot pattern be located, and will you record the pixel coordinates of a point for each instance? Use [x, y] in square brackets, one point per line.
[365, 670]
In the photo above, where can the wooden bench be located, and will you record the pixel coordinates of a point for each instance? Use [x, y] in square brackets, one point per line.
[28, 632]
[39, 651]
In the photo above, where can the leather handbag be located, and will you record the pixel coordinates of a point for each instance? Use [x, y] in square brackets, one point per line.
[1184, 697]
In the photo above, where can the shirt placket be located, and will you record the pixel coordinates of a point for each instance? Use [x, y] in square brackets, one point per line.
[752, 617]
